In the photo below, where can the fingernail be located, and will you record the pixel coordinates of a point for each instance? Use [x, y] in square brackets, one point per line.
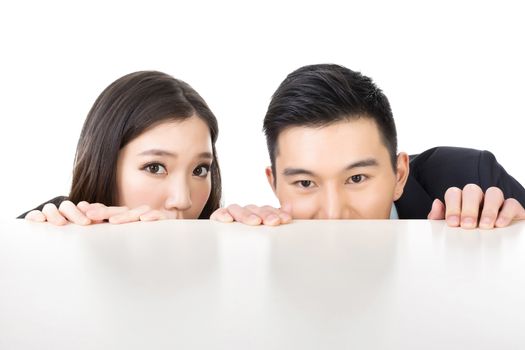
[501, 222]
[254, 219]
[453, 220]
[485, 222]
[286, 217]
[468, 222]
[272, 219]
[225, 217]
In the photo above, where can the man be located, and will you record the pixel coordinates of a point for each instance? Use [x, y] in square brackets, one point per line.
[333, 148]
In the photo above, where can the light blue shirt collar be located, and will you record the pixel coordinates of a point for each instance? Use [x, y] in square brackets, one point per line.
[393, 213]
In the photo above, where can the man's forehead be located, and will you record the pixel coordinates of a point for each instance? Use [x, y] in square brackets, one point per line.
[349, 136]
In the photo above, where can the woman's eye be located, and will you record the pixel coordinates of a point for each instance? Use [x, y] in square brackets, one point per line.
[201, 170]
[156, 168]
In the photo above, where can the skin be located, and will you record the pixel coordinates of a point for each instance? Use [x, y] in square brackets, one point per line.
[359, 183]
[316, 179]
[161, 174]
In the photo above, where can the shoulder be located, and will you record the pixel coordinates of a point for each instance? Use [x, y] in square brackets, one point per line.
[439, 168]
[439, 155]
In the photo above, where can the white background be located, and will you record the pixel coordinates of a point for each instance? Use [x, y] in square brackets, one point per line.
[453, 72]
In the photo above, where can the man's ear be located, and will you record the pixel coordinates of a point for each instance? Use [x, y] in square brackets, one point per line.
[270, 178]
[402, 171]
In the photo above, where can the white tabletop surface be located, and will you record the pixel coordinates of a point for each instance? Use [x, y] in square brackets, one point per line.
[308, 285]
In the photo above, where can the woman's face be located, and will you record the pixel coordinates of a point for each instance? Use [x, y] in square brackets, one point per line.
[167, 167]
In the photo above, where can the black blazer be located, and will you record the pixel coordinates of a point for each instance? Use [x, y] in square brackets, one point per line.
[434, 171]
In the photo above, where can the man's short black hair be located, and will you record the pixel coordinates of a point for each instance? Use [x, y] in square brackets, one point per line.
[323, 94]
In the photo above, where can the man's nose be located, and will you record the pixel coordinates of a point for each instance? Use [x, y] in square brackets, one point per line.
[179, 196]
[334, 205]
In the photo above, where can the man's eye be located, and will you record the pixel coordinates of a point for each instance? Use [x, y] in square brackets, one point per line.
[357, 178]
[304, 183]
[155, 168]
[201, 171]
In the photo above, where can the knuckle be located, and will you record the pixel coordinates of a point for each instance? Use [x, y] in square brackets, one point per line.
[512, 201]
[234, 207]
[471, 187]
[219, 211]
[65, 205]
[49, 207]
[495, 191]
[32, 215]
[452, 191]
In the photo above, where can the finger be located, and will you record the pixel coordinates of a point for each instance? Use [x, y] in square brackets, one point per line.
[35, 215]
[244, 215]
[285, 216]
[129, 215]
[491, 206]
[221, 215]
[99, 205]
[83, 206]
[86, 206]
[285, 212]
[153, 215]
[52, 214]
[273, 216]
[453, 206]
[70, 211]
[101, 212]
[268, 215]
[511, 210]
[438, 210]
[470, 203]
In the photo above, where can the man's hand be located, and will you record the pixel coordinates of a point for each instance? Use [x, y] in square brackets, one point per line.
[85, 213]
[470, 207]
[252, 215]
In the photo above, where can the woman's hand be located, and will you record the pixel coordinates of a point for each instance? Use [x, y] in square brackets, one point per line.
[85, 213]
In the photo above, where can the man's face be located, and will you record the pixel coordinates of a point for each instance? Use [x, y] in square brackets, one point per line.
[340, 171]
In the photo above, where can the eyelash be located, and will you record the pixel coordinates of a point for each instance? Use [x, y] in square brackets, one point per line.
[299, 184]
[205, 166]
[363, 177]
[148, 167]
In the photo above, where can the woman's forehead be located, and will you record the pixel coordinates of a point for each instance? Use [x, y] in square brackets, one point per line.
[190, 136]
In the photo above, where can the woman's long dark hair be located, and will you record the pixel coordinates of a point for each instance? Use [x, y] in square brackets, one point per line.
[124, 110]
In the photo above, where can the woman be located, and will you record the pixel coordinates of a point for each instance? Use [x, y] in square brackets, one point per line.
[146, 152]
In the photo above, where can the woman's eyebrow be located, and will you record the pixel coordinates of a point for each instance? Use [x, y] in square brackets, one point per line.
[157, 152]
[161, 152]
[205, 155]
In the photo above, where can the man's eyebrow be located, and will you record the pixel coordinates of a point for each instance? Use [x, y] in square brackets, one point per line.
[161, 152]
[297, 171]
[359, 164]
[363, 163]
